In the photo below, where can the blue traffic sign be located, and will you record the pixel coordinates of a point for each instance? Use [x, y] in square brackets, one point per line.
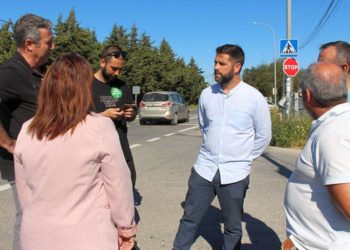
[289, 48]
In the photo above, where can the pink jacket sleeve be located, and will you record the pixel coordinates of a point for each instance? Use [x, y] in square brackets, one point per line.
[20, 181]
[117, 180]
[21, 184]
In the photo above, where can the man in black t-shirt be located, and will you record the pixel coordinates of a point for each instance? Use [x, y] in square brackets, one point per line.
[113, 98]
[20, 79]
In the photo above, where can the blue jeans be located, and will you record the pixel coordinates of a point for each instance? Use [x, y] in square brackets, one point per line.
[199, 197]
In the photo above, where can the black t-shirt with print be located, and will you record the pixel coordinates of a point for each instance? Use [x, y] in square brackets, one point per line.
[114, 95]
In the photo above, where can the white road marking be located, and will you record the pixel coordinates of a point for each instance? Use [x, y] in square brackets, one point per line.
[8, 186]
[187, 124]
[170, 134]
[5, 187]
[186, 129]
[153, 139]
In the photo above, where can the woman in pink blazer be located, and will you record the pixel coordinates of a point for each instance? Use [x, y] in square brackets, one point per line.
[73, 183]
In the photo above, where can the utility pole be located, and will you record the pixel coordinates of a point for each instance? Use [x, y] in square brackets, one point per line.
[289, 80]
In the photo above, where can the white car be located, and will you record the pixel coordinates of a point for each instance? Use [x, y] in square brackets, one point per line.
[166, 106]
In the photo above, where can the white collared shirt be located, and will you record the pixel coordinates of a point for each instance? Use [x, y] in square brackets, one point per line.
[236, 129]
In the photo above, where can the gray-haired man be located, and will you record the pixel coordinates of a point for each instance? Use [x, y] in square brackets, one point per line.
[20, 79]
[337, 52]
[317, 199]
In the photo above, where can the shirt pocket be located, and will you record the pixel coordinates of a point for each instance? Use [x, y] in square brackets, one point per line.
[239, 121]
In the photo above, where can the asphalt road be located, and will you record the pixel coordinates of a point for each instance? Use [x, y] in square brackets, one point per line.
[164, 156]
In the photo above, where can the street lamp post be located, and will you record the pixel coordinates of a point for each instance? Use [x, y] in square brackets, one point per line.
[274, 57]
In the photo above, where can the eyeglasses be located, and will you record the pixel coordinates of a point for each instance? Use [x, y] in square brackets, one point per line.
[116, 54]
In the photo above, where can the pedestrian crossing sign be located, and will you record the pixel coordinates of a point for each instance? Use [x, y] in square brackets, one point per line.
[289, 48]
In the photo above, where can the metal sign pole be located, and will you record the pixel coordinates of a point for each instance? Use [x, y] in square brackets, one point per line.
[136, 90]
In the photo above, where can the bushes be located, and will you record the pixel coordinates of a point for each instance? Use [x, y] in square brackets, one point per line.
[289, 132]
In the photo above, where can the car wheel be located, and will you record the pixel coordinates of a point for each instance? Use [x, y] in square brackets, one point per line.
[142, 122]
[175, 120]
[187, 117]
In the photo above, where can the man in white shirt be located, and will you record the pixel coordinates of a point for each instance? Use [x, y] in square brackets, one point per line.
[317, 198]
[234, 120]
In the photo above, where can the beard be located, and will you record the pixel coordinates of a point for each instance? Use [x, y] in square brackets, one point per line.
[223, 79]
[108, 77]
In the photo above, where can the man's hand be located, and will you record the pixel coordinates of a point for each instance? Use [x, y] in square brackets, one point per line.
[287, 245]
[113, 113]
[10, 147]
[129, 113]
[126, 243]
[6, 141]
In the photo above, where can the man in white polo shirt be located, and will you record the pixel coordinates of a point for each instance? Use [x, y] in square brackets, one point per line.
[317, 198]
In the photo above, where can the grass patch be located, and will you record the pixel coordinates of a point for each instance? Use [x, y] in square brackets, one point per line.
[291, 131]
[192, 106]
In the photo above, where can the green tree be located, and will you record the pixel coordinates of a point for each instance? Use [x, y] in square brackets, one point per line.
[70, 37]
[195, 82]
[179, 76]
[262, 77]
[7, 43]
[133, 39]
[141, 68]
[167, 66]
[118, 36]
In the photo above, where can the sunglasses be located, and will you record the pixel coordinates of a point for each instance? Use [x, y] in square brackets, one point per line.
[116, 54]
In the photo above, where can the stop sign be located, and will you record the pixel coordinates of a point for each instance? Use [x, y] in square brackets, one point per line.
[290, 67]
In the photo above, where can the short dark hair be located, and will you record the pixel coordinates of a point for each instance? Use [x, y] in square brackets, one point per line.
[112, 50]
[343, 51]
[234, 51]
[27, 27]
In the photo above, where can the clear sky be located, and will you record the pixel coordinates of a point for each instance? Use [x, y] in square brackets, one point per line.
[194, 28]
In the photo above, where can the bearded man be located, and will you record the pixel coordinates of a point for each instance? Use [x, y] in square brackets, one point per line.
[235, 123]
[113, 98]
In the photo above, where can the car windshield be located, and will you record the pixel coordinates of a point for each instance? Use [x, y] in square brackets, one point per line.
[155, 97]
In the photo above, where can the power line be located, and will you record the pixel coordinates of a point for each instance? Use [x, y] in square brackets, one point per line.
[325, 17]
[8, 22]
[315, 16]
